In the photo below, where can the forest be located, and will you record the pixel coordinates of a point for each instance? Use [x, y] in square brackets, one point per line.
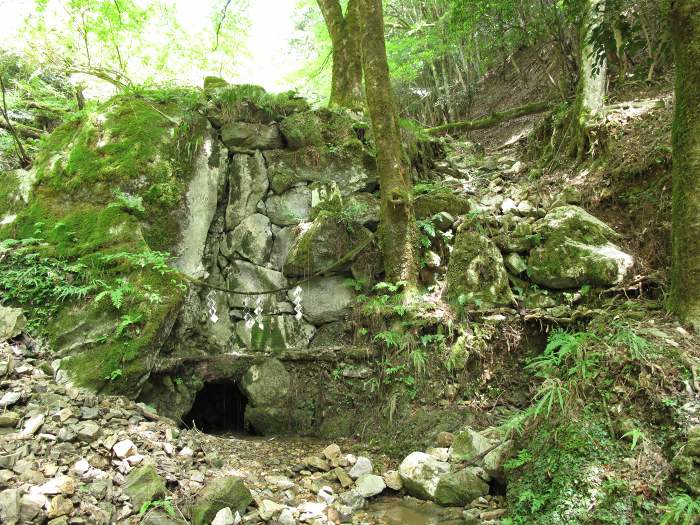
[371, 262]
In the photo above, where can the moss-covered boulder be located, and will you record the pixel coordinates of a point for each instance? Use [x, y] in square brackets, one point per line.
[320, 128]
[267, 383]
[460, 488]
[143, 484]
[351, 167]
[115, 188]
[476, 273]
[421, 473]
[289, 208]
[428, 204]
[327, 245]
[248, 103]
[223, 492]
[576, 251]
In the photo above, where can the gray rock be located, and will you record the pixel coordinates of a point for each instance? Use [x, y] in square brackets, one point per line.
[9, 398]
[421, 473]
[248, 184]
[283, 240]
[279, 332]
[266, 384]
[468, 444]
[362, 466]
[369, 485]
[459, 488]
[244, 135]
[224, 517]
[326, 299]
[88, 431]
[515, 263]
[247, 277]
[250, 240]
[10, 506]
[291, 207]
[143, 484]
[223, 492]
[362, 208]
[353, 499]
[12, 322]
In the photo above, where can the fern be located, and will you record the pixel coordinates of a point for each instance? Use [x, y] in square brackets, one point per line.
[681, 510]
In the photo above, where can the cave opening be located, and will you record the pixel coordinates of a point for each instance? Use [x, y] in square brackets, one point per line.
[218, 408]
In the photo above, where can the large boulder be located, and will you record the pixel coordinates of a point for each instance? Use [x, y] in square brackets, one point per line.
[247, 136]
[121, 178]
[223, 492]
[476, 273]
[469, 444]
[460, 488]
[577, 250]
[352, 169]
[248, 184]
[326, 299]
[12, 322]
[421, 473]
[283, 239]
[291, 207]
[143, 484]
[429, 204]
[250, 240]
[326, 245]
[267, 383]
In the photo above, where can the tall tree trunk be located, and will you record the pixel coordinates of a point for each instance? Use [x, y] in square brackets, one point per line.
[590, 98]
[346, 82]
[398, 233]
[685, 256]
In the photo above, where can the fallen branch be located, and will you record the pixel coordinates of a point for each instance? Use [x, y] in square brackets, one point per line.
[23, 131]
[492, 119]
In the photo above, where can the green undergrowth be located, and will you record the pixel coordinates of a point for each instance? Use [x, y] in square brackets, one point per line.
[597, 438]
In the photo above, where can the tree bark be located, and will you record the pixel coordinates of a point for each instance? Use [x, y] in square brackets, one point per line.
[346, 82]
[397, 228]
[493, 119]
[590, 98]
[685, 239]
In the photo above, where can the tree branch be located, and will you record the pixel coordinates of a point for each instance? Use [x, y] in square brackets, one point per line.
[21, 153]
[493, 119]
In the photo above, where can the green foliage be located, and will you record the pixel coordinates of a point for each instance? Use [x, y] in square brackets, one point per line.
[165, 504]
[681, 510]
[635, 436]
[128, 203]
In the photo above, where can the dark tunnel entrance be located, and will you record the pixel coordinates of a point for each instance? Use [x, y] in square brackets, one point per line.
[218, 408]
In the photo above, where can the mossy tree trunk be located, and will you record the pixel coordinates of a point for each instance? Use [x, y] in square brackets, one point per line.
[590, 96]
[346, 84]
[685, 257]
[397, 220]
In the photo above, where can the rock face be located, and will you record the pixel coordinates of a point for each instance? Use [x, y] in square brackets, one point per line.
[476, 273]
[577, 250]
[248, 184]
[221, 493]
[420, 474]
[247, 136]
[326, 299]
[250, 240]
[291, 207]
